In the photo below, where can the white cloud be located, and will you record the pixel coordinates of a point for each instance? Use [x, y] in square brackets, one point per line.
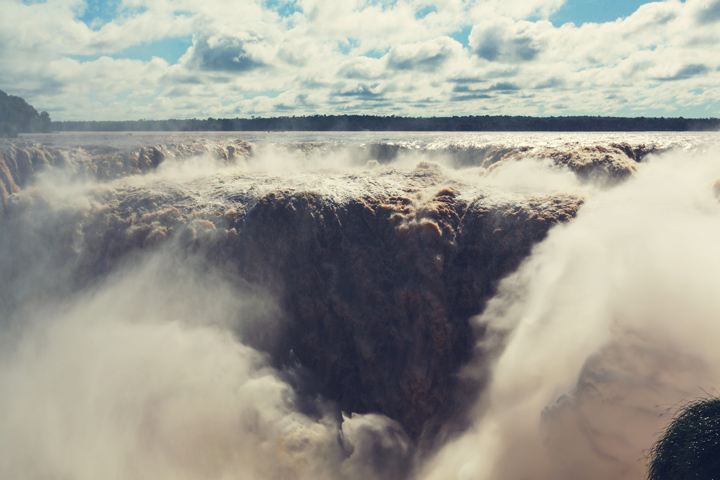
[362, 68]
[425, 56]
[505, 40]
[37, 31]
[360, 54]
[515, 9]
[227, 53]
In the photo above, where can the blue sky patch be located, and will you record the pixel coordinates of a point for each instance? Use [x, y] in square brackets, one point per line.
[376, 53]
[425, 11]
[687, 111]
[596, 11]
[346, 46]
[284, 8]
[96, 13]
[383, 3]
[463, 35]
[169, 49]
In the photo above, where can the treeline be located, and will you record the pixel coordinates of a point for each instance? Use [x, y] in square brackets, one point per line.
[17, 116]
[471, 123]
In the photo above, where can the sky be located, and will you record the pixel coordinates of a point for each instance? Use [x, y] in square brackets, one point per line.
[157, 59]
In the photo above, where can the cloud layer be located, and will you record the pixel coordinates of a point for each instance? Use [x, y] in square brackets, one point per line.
[186, 58]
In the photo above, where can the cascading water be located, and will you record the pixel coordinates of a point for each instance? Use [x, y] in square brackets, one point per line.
[350, 305]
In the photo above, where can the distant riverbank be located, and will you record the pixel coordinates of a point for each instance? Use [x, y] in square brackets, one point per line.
[354, 123]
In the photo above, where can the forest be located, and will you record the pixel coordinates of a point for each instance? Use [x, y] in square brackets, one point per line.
[17, 116]
[470, 123]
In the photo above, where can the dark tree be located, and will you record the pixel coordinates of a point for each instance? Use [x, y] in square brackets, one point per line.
[690, 446]
[17, 116]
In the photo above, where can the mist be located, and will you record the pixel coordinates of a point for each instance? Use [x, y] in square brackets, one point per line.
[213, 308]
[604, 331]
[145, 376]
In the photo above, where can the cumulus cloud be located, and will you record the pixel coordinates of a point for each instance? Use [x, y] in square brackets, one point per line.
[551, 82]
[507, 41]
[504, 86]
[709, 12]
[362, 68]
[515, 9]
[686, 72]
[43, 29]
[425, 56]
[320, 47]
[224, 53]
[361, 90]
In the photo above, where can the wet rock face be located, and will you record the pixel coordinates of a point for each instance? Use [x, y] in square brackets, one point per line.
[375, 289]
[378, 292]
[375, 293]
